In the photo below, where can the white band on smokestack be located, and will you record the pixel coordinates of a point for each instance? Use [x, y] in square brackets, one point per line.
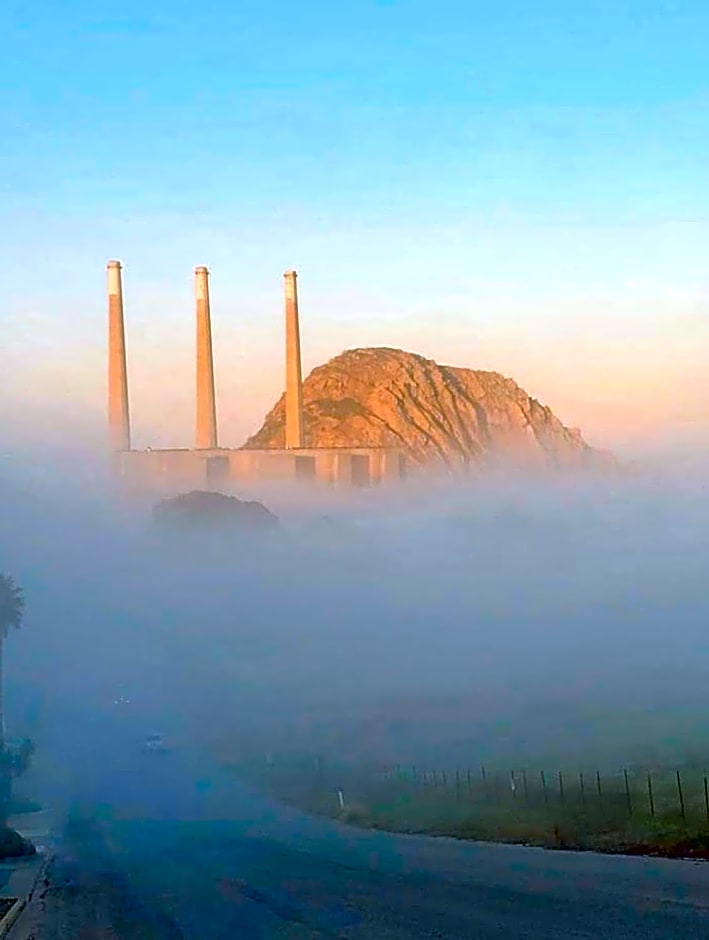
[114, 277]
[201, 283]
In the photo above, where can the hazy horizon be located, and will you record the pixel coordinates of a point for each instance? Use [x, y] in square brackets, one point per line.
[511, 592]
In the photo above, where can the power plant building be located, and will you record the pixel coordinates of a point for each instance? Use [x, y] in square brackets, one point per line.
[208, 466]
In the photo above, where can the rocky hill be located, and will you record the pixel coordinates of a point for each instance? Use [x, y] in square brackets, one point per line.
[438, 414]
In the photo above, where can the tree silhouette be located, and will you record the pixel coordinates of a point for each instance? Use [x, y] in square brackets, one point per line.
[12, 608]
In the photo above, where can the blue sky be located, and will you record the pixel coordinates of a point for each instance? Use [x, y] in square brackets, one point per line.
[500, 185]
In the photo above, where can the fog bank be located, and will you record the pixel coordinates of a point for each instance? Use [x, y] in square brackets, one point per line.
[443, 621]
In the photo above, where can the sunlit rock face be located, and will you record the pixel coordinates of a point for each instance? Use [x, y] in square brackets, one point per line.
[440, 415]
[201, 509]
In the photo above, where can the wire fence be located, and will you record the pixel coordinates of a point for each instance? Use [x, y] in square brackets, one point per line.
[633, 793]
[641, 795]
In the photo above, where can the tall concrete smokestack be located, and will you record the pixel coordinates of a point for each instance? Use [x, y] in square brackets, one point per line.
[206, 425]
[294, 376]
[118, 413]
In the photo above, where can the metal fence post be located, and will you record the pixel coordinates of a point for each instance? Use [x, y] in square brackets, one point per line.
[627, 793]
[681, 797]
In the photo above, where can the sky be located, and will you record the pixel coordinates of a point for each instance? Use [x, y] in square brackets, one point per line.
[512, 186]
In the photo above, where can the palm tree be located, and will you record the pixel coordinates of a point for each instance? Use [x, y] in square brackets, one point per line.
[12, 608]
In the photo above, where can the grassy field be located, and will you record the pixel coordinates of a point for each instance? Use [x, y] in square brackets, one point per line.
[656, 810]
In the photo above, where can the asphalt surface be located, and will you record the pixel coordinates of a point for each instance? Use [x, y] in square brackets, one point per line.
[166, 847]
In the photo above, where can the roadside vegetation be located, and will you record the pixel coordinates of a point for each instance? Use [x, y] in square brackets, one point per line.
[636, 810]
[14, 758]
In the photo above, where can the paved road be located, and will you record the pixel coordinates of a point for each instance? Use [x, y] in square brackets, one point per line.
[182, 854]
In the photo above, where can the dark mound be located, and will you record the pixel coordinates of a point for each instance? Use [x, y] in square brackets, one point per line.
[12, 845]
[200, 509]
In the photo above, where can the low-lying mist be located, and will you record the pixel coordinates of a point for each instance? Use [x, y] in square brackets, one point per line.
[446, 622]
